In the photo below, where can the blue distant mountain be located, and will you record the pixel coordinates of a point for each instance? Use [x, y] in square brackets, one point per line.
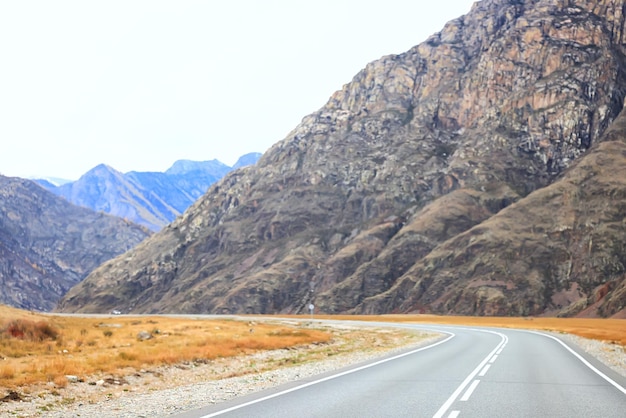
[213, 167]
[247, 159]
[55, 181]
[152, 199]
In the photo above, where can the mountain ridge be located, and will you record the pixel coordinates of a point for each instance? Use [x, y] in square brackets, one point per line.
[151, 199]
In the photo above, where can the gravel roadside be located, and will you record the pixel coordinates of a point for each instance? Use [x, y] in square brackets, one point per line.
[611, 355]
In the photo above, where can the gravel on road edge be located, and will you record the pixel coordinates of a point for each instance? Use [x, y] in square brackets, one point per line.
[611, 355]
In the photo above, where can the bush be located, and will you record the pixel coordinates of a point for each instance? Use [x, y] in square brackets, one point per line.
[30, 330]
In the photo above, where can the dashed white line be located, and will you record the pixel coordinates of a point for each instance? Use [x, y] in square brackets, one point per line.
[470, 390]
[483, 372]
[493, 358]
[454, 414]
[448, 403]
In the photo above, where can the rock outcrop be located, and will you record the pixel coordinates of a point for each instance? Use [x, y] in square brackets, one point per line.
[48, 245]
[471, 174]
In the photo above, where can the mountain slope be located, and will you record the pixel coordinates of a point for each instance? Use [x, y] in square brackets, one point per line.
[47, 245]
[561, 250]
[370, 203]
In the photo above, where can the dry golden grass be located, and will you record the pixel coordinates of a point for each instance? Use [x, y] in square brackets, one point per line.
[608, 330]
[86, 346]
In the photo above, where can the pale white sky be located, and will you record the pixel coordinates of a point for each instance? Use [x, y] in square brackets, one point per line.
[140, 84]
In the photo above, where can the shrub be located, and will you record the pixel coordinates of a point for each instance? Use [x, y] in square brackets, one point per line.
[30, 330]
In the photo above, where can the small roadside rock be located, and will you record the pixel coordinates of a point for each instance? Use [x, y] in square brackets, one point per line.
[115, 381]
[144, 335]
[11, 397]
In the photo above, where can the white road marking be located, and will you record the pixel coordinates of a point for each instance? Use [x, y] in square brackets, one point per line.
[483, 372]
[448, 403]
[585, 362]
[243, 405]
[493, 358]
[454, 414]
[470, 390]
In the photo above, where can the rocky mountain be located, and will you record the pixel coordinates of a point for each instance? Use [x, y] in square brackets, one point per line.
[481, 172]
[47, 245]
[151, 199]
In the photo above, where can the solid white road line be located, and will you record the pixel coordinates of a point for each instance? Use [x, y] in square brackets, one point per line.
[315, 382]
[585, 362]
[448, 403]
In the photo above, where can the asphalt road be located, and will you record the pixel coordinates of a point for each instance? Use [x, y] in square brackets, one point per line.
[470, 372]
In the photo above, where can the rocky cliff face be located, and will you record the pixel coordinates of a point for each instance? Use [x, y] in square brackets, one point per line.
[445, 179]
[48, 245]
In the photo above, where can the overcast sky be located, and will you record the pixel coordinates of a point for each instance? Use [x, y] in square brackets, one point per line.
[140, 84]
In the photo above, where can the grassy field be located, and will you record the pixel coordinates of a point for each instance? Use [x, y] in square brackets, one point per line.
[37, 348]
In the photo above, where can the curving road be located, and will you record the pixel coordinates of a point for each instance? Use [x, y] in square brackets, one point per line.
[470, 372]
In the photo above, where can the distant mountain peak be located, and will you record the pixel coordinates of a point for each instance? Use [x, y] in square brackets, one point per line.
[100, 169]
[247, 159]
[187, 166]
[151, 199]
